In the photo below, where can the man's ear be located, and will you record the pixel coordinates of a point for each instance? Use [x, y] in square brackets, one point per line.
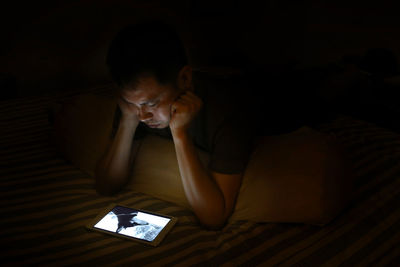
[184, 80]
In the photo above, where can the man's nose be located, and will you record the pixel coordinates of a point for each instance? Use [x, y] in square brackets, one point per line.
[144, 115]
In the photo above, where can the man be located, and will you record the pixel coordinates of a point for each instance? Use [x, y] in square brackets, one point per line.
[160, 92]
[149, 64]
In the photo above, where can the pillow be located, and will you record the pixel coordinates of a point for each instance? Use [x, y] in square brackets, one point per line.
[82, 129]
[289, 178]
[294, 177]
[156, 170]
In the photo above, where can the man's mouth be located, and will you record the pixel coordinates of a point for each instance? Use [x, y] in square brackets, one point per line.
[153, 125]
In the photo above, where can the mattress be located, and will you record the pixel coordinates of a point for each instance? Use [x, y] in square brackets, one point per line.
[46, 202]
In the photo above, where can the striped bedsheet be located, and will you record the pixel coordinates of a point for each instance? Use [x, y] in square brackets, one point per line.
[46, 201]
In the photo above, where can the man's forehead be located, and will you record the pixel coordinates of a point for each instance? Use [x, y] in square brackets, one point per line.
[138, 96]
[147, 88]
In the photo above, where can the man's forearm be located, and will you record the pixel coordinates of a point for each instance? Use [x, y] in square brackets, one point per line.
[112, 170]
[200, 188]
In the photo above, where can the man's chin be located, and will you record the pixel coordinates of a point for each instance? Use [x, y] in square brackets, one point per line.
[157, 126]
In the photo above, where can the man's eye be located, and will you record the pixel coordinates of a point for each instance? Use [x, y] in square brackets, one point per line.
[151, 104]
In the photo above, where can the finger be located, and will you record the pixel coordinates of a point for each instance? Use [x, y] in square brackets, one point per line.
[189, 95]
[187, 100]
[182, 96]
[175, 106]
[183, 101]
[190, 99]
[191, 103]
[193, 95]
[181, 106]
[193, 99]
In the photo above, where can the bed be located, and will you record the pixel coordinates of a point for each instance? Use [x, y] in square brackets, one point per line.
[46, 202]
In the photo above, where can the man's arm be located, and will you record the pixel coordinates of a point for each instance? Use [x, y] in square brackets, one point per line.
[113, 168]
[212, 195]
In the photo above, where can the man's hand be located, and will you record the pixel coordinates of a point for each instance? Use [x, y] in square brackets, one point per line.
[129, 111]
[183, 111]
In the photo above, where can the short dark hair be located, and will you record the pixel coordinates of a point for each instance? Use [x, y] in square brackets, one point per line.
[152, 48]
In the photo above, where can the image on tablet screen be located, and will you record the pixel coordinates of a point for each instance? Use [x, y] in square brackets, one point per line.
[133, 223]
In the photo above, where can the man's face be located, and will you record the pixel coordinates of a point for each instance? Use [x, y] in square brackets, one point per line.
[153, 101]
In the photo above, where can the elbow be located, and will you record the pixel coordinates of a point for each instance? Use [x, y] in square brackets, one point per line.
[214, 221]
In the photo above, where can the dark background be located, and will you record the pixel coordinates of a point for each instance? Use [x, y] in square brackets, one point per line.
[51, 46]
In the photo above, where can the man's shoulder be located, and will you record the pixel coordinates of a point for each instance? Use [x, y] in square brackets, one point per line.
[219, 87]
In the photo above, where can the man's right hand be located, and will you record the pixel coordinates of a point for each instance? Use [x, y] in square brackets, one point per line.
[129, 111]
[114, 168]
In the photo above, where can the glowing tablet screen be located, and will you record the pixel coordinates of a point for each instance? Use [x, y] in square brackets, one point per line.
[133, 223]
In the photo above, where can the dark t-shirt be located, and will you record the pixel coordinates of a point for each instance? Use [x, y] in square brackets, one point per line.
[231, 116]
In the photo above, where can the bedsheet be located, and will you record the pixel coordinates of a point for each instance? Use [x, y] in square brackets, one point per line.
[46, 202]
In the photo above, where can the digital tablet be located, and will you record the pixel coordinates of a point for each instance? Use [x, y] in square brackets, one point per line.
[134, 224]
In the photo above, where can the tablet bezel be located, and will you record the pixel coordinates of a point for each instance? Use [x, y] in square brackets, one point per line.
[154, 243]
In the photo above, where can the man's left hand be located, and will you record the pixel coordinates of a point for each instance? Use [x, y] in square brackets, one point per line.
[183, 111]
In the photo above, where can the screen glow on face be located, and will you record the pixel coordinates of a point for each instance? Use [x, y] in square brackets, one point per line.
[132, 223]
